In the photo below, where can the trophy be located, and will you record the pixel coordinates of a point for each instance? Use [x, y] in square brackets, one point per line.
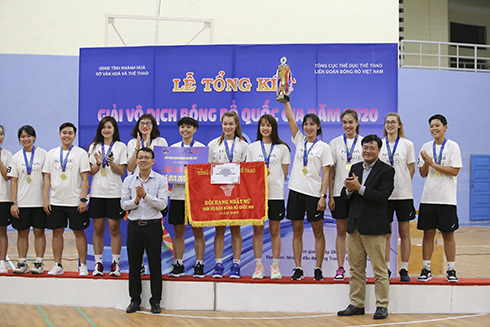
[284, 77]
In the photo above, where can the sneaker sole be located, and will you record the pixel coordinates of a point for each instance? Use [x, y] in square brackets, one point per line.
[217, 276]
[338, 279]
[276, 277]
[424, 280]
[199, 276]
[176, 275]
[36, 272]
[55, 274]
[235, 277]
[452, 281]
[113, 274]
[297, 278]
[257, 277]
[98, 274]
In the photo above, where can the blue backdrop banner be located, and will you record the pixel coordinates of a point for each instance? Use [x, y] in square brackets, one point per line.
[205, 81]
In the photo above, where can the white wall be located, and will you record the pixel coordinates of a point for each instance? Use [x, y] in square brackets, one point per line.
[57, 27]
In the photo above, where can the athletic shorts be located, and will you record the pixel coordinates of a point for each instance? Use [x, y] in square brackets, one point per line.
[35, 217]
[176, 213]
[405, 211]
[299, 203]
[5, 217]
[60, 215]
[341, 208]
[444, 217]
[276, 209]
[105, 207]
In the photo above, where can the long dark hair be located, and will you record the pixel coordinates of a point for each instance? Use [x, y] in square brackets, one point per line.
[99, 139]
[274, 134]
[353, 113]
[155, 132]
[238, 129]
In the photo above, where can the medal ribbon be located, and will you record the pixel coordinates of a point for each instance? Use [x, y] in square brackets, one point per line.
[104, 156]
[391, 155]
[306, 153]
[267, 158]
[351, 151]
[143, 143]
[64, 162]
[438, 159]
[192, 144]
[29, 163]
[230, 155]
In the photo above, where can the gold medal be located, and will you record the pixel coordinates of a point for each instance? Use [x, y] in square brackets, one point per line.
[268, 171]
[102, 172]
[63, 176]
[28, 179]
[348, 166]
[438, 174]
[305, 170]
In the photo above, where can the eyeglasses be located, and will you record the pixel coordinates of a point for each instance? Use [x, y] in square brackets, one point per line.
[146, 123]
[391, 122]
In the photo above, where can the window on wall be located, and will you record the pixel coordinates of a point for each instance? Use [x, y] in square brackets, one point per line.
[464, 33]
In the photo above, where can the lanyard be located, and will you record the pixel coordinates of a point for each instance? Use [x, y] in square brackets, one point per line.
[29, 163]
[306, 153]
[64, 162]
[391, 155]
[104, 156]
[267, 158]
[351, 151]
[143, 143]
[230, 155]
[438, 159]
[189, 145]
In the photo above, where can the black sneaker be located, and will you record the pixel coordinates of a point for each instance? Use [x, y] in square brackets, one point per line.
[318, 274]
[178, 270]
[404, 275]
[389, 275]
[451, 276]
[425, 275]
[298, 274]
[199, 270]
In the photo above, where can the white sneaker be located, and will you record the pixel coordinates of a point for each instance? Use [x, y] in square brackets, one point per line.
[275, 273]
[3, 267]
[22, 268]
[83, 270]
[56, 270]
[115, 271]
[259, 271]
[38, 268]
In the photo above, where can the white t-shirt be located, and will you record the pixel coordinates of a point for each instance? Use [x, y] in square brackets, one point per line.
[66, 192]
[279, 156]
[4, 185]
[319, 157]
[339, 156]
[159, 141]
[110, 185]
[443, 189]
[404, 155]
[178, 190]
[217, 151]
[29, 195]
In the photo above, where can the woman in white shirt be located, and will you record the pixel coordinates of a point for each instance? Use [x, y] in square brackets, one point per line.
[5, 218]
[308, 187]
[108, 158]
[229, 147]
[399, 152]
[346, 151]
[276, 154]
[26, 192]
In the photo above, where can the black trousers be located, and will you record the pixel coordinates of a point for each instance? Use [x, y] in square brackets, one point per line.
[145, 238]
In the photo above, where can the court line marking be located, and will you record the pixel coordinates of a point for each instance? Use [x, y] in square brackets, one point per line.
[310, 316]
[86, 317]
[45, 317]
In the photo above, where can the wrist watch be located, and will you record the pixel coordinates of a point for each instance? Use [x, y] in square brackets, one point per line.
[324, 195]
[83, 200]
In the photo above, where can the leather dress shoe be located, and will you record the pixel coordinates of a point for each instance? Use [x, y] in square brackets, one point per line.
[155, 308]
[133, 307]
[381, 313]
[351, 311]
